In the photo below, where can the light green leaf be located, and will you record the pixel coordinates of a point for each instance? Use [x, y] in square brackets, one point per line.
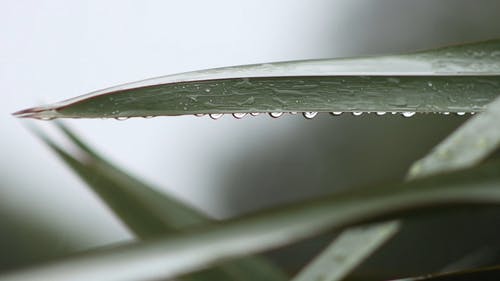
[149, 213]
[346, 252]
[454, 79]
[181, 254]
[477, 257]
[467, 146]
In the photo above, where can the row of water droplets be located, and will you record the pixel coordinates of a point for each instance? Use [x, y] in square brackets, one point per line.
[307, 115]
[312, 114]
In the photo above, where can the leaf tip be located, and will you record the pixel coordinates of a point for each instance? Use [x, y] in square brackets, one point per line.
[40, 112]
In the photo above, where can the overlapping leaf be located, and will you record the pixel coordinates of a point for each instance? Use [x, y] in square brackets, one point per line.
[181, 254]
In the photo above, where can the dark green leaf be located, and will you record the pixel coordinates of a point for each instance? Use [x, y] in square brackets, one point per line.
[454, 79]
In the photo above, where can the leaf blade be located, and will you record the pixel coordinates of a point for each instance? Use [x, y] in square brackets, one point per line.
[345, 253]
[467, 146]
[452, 79]
[181, 254]
[149, 213]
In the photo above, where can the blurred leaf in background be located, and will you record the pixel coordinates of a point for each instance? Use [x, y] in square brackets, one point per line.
[148, 213]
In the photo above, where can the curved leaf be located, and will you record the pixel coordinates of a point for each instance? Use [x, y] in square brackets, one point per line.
[177, 255]
[453, 79]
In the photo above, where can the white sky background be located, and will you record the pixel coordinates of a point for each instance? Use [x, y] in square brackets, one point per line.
[53, 50]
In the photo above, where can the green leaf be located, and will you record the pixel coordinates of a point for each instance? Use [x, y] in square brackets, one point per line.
[149, 213]
[453, 79]
[346, 252]
[465, 147]
[180, 254]
[131, 195]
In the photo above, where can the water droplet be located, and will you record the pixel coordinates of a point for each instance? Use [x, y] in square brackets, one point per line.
[381, 113]
[394, 112]
[446, 113]
[429, 84]
[275, 114]
[255, 113]
[216, 116]
[309, 115]
[121, 118]
[239, 115]
[336, 113]
[408, 113]
[293, 112]
[460, 113]
[472, 113]
[199, 114]
[357, 113]
[207, 90]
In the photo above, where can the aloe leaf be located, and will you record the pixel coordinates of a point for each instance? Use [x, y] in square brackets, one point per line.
[149, 213]
[467, 146]
[180, 254]
[460, 78]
